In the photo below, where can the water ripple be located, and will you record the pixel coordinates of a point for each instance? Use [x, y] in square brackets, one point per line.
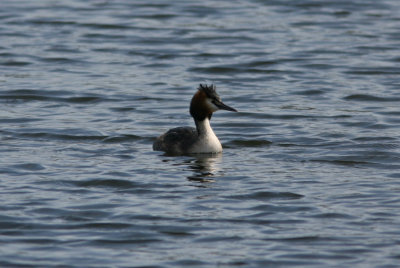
[366, 97]
[262, 195]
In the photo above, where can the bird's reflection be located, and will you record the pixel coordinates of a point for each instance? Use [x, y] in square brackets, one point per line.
[205, 167]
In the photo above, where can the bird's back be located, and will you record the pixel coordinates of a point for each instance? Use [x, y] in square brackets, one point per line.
[176, 141]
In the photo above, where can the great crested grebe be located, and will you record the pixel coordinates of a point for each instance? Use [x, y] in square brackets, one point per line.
[189, 140]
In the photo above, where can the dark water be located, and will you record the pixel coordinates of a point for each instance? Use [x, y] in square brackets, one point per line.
[310, 174]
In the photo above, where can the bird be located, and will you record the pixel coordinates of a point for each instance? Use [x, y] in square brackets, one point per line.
[199, 140]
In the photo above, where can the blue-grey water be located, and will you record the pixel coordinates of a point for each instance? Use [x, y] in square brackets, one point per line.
[310, 173]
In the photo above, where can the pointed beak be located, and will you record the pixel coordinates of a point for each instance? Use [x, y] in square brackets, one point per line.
[223, 106]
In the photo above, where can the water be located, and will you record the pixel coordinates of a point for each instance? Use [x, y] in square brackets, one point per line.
[309, 176]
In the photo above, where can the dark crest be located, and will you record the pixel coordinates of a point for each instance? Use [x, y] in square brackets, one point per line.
[210, 91]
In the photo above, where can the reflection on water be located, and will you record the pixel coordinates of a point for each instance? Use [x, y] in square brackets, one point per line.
[205, 167]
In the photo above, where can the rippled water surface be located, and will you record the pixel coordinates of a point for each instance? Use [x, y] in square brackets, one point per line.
[310, 171]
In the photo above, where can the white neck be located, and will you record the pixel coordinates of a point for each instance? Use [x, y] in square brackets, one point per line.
[204, 127]
[207, 141]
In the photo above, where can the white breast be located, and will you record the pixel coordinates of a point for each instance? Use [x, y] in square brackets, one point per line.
[207, 141]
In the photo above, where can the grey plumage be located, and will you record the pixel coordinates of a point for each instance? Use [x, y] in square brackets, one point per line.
[179, 138]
